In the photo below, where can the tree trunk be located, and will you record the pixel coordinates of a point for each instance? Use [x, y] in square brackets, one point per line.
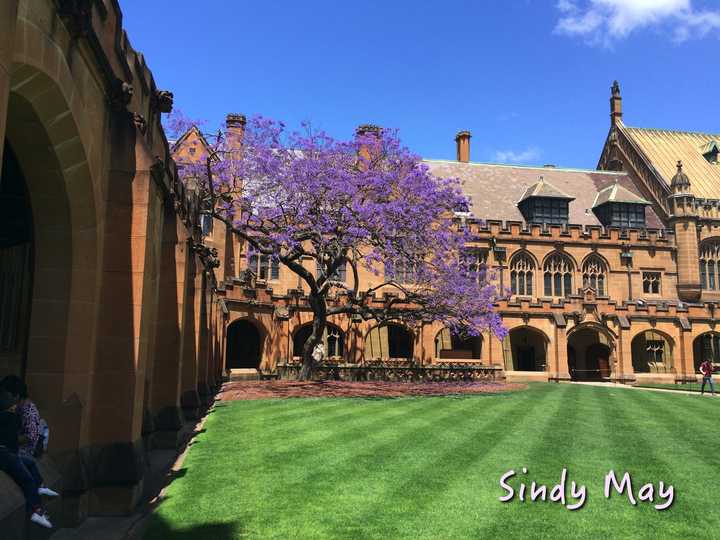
[317, 303]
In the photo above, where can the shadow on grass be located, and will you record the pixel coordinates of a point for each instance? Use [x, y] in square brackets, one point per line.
[160, 529]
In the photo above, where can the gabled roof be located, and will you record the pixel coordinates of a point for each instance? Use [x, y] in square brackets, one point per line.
[663, 148]
[617, 194]
[544, 189]
[192, 135]
[710, 147]
[493, 188]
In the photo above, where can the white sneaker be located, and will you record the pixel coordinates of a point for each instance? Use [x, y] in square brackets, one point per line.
[41, 520]
[47, 492]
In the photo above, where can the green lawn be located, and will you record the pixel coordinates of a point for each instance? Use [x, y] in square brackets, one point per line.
[430, 467]
[688, 387]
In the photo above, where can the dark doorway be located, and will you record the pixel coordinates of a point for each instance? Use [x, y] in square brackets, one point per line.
[589, 353]
[243, 346]
[525, 349]
[16, 265]
[399, 342]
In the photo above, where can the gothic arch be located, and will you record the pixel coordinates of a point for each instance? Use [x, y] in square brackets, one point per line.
[558, 274]
[709, 263]
[594, 270]
[448, 345]
[334, 340]
[652, 351]
[389, 340]
[523, 268]
[525, 348]
[44, 135]
[245, 344]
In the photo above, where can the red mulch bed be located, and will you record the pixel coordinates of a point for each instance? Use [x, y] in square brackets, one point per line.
[243, 390]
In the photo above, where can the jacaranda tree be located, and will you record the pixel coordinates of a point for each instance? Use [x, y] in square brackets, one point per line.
[364, 203]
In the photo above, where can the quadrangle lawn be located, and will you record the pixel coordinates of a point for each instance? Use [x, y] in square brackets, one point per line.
[429, 467]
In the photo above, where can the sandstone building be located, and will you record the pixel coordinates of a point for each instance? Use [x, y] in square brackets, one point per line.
[123, 321]
[106, 300]
[611, 274]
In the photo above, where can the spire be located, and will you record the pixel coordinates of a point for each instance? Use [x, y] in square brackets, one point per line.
[615, 103]
[680, 182]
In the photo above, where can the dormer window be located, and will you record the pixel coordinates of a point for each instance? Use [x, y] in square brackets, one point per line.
[710, 152]
[616, 206]
[544, 203]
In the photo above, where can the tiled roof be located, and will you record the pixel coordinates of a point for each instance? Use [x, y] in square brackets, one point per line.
[494, 190]
[542, 188]
[617, 193]
[663, 148]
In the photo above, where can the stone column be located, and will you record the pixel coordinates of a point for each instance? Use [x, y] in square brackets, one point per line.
[167, 366]
[8, 18]
[686, 360]
[625, 371]
[124, 317]
[203, 350]
[561, 371]
[189, 398]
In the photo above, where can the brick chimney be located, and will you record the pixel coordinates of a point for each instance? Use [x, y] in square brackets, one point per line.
[235, 124]
[462, 139]
[366, 131]
[615, 104]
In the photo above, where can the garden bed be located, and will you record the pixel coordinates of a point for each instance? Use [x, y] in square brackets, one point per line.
[245, 390]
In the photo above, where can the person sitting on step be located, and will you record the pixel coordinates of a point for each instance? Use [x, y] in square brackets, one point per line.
[22, 469]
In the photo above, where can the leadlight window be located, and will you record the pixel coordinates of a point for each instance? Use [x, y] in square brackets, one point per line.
[711, 348]
[402, 271]
[339, 275]
[475, 260]
[265, 267]
[558, 272]
[615, 214]
[655, 350]
[651, 282]
[522, 269]
[710, 265]
[545, 210]
[595, 274]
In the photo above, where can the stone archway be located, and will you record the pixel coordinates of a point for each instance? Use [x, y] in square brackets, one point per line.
[389, 341]
[51, 158]
[244, 345]
[333, 341]
[525, 349]
[451, 346]
[706, 347]
[590, 354]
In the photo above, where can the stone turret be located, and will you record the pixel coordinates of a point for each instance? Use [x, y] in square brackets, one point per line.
[684, 220]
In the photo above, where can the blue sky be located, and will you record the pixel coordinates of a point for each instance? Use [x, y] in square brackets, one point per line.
[530, 79]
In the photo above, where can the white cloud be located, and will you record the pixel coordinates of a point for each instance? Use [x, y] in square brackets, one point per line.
[522, 156]
[602, 22]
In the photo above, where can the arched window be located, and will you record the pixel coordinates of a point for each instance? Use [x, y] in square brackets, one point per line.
[522, 269]
[651, 353]
[710, 265]
[388, 341]
[448, 345]
[595, 274]
[558, 275]
[333, 340]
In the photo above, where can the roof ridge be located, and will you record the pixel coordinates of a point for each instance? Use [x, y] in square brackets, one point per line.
[511, 166]
[706, 133]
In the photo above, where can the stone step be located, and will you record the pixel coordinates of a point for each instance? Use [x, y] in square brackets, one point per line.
[244, 374]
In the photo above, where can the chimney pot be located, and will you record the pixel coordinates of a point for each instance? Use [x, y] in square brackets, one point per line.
[462, 139]
[615, 103]
[368, 129]
[235, 120]
[235, 124]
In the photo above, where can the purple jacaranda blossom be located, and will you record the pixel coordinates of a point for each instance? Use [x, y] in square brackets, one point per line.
[366, 203]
